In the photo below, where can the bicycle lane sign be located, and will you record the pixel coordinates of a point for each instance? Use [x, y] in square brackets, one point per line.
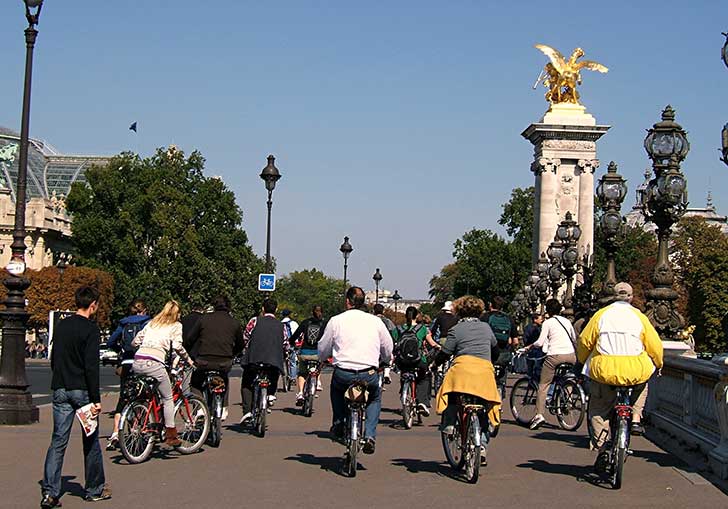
[266, 282]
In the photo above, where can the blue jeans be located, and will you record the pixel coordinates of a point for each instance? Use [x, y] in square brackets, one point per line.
[341, 381]
[292, 364]
[65, 404]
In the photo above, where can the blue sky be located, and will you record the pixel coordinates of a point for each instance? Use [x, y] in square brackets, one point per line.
[396, 123]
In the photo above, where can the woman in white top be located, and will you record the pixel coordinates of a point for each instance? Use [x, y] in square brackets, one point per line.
[557, 340]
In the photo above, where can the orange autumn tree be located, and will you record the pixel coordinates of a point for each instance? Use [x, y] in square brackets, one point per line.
[49, 290]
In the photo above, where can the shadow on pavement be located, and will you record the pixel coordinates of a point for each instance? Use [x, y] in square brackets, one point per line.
[579, 472]
[68, 486]
[416, 466]
[327, 463]
[661, 458]
[323, 434]
[574, 440]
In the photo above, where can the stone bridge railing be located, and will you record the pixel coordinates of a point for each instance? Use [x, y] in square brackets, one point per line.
[690, 402]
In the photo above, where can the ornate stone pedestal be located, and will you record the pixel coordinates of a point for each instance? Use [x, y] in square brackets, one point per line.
[564, 162]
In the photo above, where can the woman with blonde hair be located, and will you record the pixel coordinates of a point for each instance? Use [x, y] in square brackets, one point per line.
[155, 342]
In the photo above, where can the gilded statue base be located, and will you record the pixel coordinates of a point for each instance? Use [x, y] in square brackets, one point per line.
[568, 114]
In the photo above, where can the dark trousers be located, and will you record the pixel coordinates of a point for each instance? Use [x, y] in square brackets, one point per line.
[423, 386]
[123, 379]
[246, 385]
[198, 380]
[65, 404]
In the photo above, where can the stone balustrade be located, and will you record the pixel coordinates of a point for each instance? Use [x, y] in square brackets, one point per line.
[690, 402]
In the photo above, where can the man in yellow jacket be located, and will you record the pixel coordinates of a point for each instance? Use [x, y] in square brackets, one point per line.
[619, 347]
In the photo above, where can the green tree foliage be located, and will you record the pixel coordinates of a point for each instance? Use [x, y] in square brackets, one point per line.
[164, 230]
[299, 291]
[700, 253]
[517, 215]
[442, 286]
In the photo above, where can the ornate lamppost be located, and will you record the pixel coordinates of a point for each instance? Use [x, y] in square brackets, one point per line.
[270, 176]
[554, 252]
[346, 250]
[666, 199]
[532, 286]
[396, 298]
[377, 277]
[61, 265]
[724, 132]
[568, 233]
[611, 192]
[542, 288]
[16, 403]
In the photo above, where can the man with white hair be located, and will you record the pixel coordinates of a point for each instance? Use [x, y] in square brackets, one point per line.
[443, 322]
[619, 347]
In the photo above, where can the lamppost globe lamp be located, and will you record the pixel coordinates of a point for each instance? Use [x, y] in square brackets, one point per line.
[611, 191]
[377, 277]
[346, 250]
[396, 298]
[724, 51]
[542, 266]
[270, 174]
[666, 143]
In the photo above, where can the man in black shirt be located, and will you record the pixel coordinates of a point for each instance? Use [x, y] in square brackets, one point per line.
[442, 323]
[75, 383]
[305, 340]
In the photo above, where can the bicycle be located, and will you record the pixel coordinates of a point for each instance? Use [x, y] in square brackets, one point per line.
[261, 383]
[407, 398]
[463, 447]
[567, 402]
[286, 374]
[619, 425]
[501, 379]
[313, 370]
[213, 389]
[142, 419]
[356, 397]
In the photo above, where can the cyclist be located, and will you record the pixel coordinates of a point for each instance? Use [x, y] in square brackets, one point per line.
[442, 322]
[306, 339]
[213, 341]
[505, 332]
[556, 340]
[619, 348]
[473, 345]
[358, 343]
[120, 341]
[534, 355]
[155, 343]
[290, 326]
[389, 324]
[416, 335]
[265, 346]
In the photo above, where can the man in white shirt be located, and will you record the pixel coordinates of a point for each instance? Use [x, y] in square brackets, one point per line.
[358, 342]
[290, 326]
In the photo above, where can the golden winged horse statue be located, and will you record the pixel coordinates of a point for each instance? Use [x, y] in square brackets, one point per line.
[561, 76]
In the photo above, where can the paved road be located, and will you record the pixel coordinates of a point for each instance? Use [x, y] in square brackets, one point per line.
[296, 465]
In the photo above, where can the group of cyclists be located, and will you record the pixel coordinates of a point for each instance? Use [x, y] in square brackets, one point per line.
[618, 347]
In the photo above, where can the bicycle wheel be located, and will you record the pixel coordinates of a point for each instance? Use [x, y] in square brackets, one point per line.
[136, 436]
[570, 405]
[308, 393]
[472, 449]
[215, 421]
[350, 461]
[619, 453]
[523, 401]
[261, 412]
[408, 415]
[193, 421]
[452, 444]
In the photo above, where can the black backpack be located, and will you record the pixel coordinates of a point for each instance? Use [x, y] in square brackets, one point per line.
[313, 334]
[501, 325]
[408, 348]
[127, 335]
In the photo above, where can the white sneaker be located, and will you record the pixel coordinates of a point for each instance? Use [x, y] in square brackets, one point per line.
[319, 387]
[537, 421]
[271, 399]
[224, 415]
[246, 417]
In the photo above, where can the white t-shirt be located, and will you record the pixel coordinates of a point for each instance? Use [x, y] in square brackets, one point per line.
[356, 340]
[557, 336]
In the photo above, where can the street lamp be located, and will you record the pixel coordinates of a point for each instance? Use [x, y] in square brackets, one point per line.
[346, 250]
[611, 191]
[568, 233]
[61, 268]
[724, 132]
[16, 403]
[542, 287]
[396, 298]
[270, 176]
[666, 199]
[554, 252]
[377, 277]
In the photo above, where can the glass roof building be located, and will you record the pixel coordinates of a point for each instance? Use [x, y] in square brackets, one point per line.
[49, 172]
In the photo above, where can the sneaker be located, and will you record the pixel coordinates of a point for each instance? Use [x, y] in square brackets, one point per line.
[319, 387]
[602, 463]
[637, 429]
[48, 501]
[299, 399]
[224, 415]
[271, 400]
[113, 442]
[448, 430]
[369, 446]
[246, 417]
[483, 457]
[537, 421]
[104, 495]
[423, 410]
[387, 380]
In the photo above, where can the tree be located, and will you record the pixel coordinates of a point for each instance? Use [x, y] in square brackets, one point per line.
[517, 215]
[164, 231]
[49, 290]
[700, 254]
[442, 286]
[299, 291]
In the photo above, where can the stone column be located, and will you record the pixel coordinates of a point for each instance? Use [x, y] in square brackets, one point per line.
[585, 217]
[546, 171]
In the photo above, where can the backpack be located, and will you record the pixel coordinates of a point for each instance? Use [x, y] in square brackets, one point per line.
[501, 325]
[127, 335]
[408, 348]
[313, 333]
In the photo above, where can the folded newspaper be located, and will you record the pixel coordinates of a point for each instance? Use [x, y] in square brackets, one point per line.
[88, 420]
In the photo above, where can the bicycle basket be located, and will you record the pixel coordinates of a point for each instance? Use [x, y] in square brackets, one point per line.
[357, 393]
[216, 383]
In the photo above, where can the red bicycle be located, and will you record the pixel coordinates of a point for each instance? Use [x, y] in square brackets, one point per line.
[142, 419]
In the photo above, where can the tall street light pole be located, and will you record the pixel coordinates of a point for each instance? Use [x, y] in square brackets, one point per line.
[377, 277]
[270, 176]
[16, 403]
[611, 192]
[346, 250]
[396, 298]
